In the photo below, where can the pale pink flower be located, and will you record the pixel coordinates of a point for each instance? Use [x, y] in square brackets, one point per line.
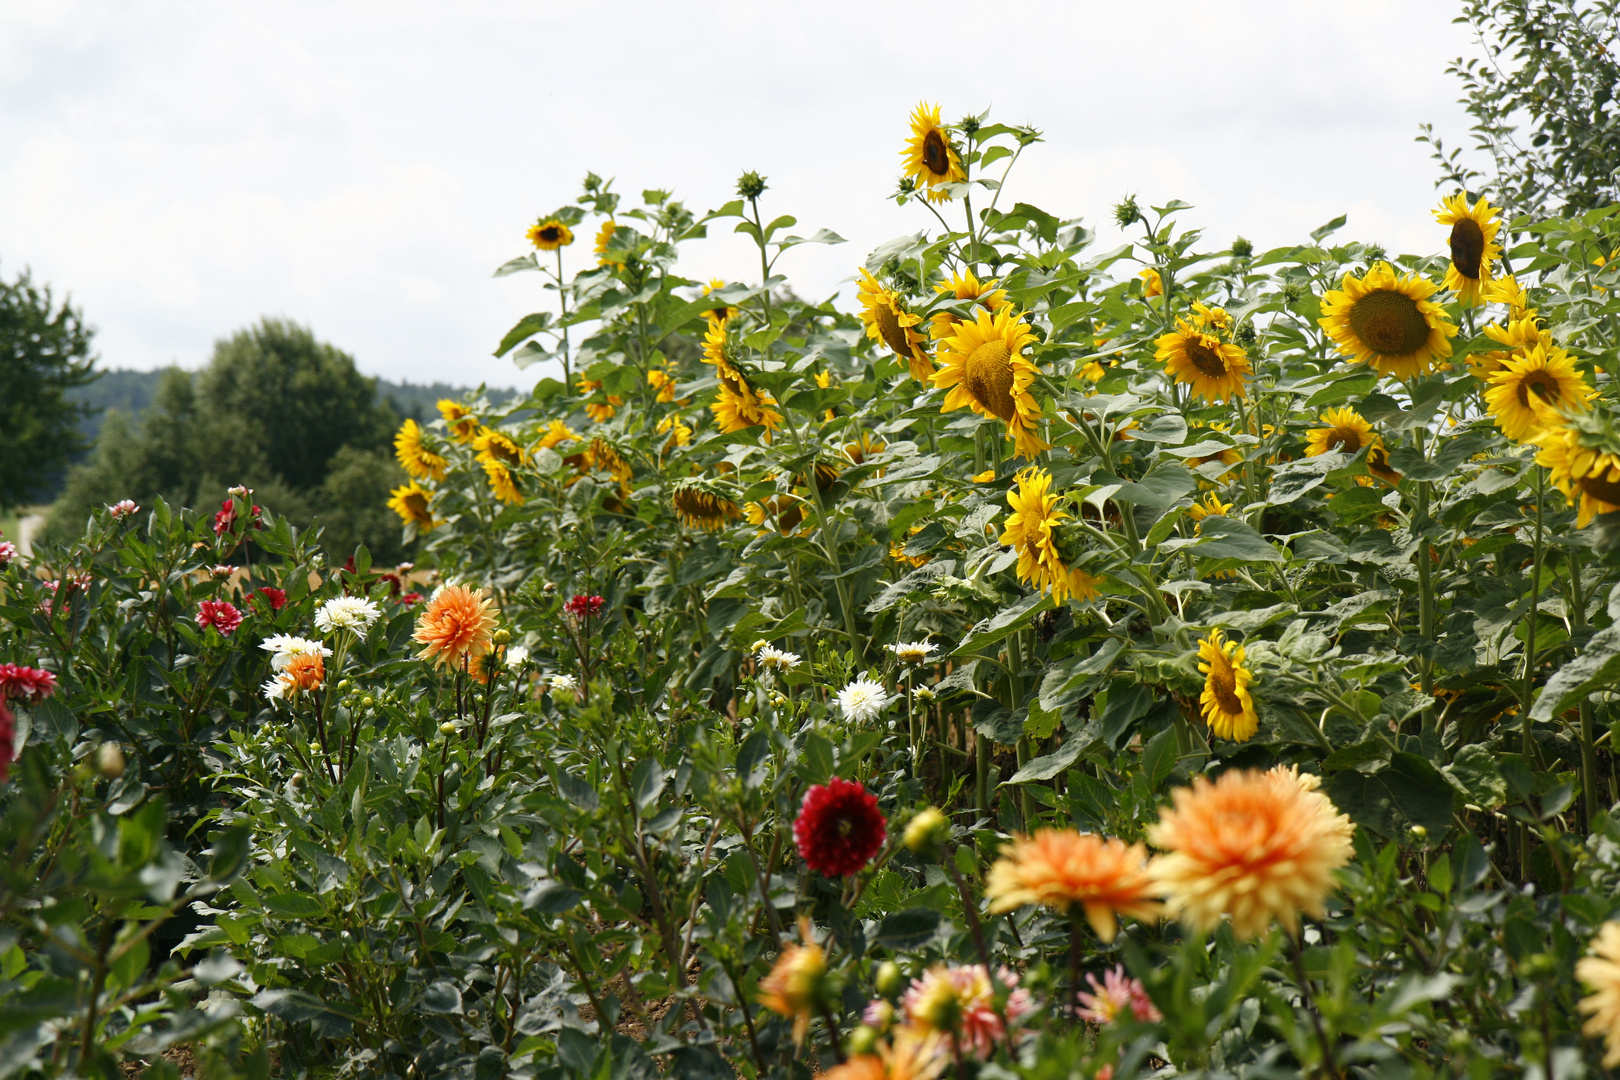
[960, 1001]
[8, 551]
[1117, 993]
[122, 509]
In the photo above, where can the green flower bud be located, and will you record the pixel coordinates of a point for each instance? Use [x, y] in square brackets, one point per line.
[502, 636]
[368, 701]
[1126, 212]
[889, 978]
[110, 760]
[863, 1040]
[447, 728]
[927, 832]
[1241, 248]
[751, 185]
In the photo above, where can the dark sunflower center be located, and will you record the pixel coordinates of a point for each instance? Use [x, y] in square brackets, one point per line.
[1389, 323]
[550, 234]
[504, 451]
[1206, 360]
[1467, 247]
[416, 504]
[1605, 490]
[936, 154]
[1346, 439]
[1224, 683]
[1542, 384]
[894, 335]
[1378, 459]
[988, 375]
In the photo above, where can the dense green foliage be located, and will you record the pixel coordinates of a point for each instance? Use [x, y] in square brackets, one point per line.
[44, 356]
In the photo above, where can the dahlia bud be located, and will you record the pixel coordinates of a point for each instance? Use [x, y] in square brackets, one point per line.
[927, 832]
[1419, 832]
[501, 637]
[368, 701]
[889, 978]
[863, 1040]
[447, 728]
[110, 760]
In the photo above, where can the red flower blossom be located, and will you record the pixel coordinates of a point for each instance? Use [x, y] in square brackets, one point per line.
[583, 606]
[839, 828]
[219, 614]
[411, 598]
[225, 518]
[8, 739]
[8, 551]
[276, 598]
[17, 681]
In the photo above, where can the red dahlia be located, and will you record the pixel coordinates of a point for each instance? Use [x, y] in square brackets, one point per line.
[220, 615]
[840, 827]
[582, 606]
[276, 598]
[225, 518]
[17, 681]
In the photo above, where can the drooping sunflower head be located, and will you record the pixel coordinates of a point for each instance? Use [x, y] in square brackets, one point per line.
[1346, 432]
[549, 235]
[609, 458]
[1378, 465]
[419, 462]
[1388, 321]
[492, 445]
[964, 286]
[721, 312]
[1473, 245]
[603, 236]
[1211, 506]
[1215, 369]
[1037, 529]
[556, 434]
[929, 159]
[1534, 389]
[738, 406]
[984, 368]
[703, 505]
[1582, 459]
[502, 481]
[714, 350]
[1227, 706]
[459, 419]
[889, 322]
[413, 505]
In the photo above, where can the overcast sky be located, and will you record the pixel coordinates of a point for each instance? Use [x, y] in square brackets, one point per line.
[182, 169]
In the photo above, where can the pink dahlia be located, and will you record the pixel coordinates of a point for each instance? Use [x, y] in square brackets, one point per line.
[1116, 994]
[122, 509]
[839, 827]
[960, 1002]
[8, 551]
[219, 614]
[17, 681]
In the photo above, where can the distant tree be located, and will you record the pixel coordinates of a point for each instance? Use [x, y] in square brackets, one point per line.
[44, 352]
[1543, 100]
[351, 505]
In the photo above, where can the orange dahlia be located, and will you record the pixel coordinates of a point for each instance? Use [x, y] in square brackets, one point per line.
[456, 624]
[796, 985]
[1061, 868]
[1252, 845]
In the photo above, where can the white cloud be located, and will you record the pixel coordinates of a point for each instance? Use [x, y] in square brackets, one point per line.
[184, 168]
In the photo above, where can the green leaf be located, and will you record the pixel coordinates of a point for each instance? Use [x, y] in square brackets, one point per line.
[1410, 791]
[1290, 481]
[1227, 538]
[526, 328]
[1048, 765]
[647, 781]
[908, 929]
[1597, 666]
[1475, 775]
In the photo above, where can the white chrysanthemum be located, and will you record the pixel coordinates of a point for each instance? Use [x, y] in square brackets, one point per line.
[773, 659]
[913, 652]
[516, 655]
[862, 700]
[564, 684]
[274, 689]
[283, 647]
[346, 613]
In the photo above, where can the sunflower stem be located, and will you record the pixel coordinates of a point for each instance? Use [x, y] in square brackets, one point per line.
[1588, 745]
[1425, 599]
[1297, 951]
[562, 299]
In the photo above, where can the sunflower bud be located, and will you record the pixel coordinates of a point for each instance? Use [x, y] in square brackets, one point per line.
[889, 978]
[927, 832]
[110, 760]
[1244, 333]
[968, 125]
[751, 185]
[1126, 212]
[1241, 248]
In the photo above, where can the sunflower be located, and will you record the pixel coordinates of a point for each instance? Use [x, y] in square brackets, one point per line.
[549, 235]
[492, 445]
[556, 434]
[1473, 245]
[419, 462]
[411, 503]
[929, 158]
[679, 433]
[1213, 368]
[721, 313]
[785, 511]
[897, 550]
[1210, 507]
[1030, 529]
[964, 286]
[502, 482]
[1152, 284]
[459, 419]
[1388, 321]
[865, 447]
[457, 623]
[1520, 331]
[1532, 389]
[714, 350]
[1508, 291]
[1347, 431]
[702, 506]
[662, 384]
[740, 406]
[603, 235]
[985, 369]
[1209, 318]
[602, 412]
[608, 458]
[1587, 475]
[1254, 846]
[1227, 706]
[888, 322]
[1064, 869]
[1378, 465]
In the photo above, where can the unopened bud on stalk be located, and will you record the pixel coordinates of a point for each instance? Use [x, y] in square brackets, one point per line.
[502, 636]
[295, 779]
[368, 701]
[889, 978]
[863, 1040]
[1419, 832]
[346, 684]
[447, 728]
[927, 833]
[549, 587]
[110, 760]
